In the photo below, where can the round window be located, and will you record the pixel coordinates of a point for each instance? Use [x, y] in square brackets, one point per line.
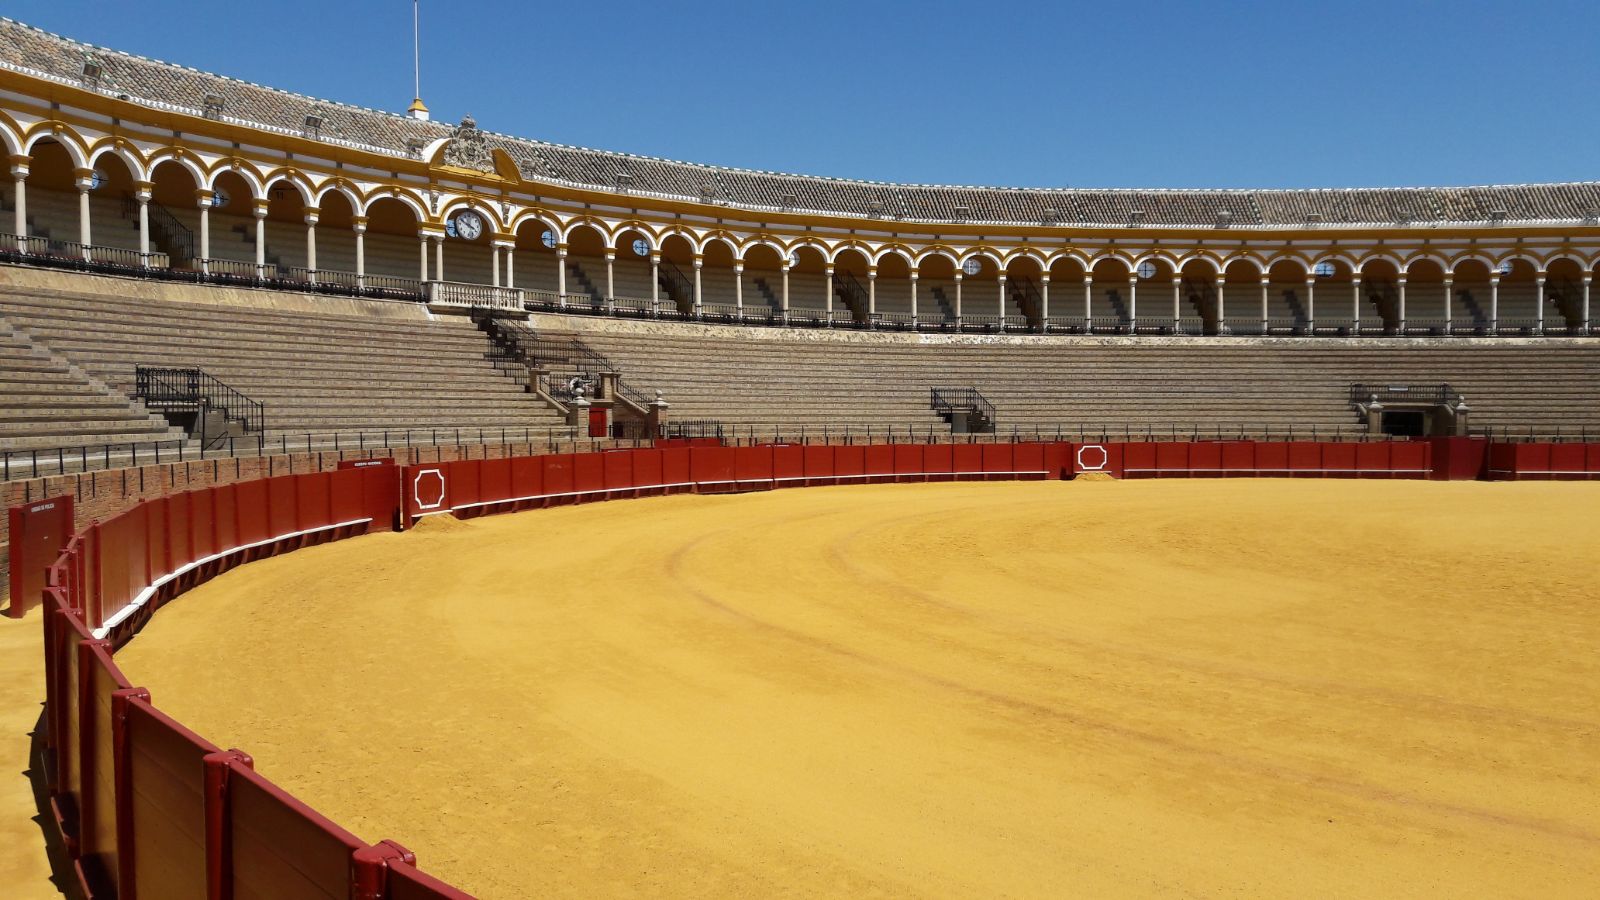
[972, 266]
[548, 239]
[641, 247]
[1322, 269]
[1147, 270]
[219, 198]
[97, 180]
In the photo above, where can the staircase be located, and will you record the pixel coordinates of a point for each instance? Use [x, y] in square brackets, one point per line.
[947, 312]
[167, 234]
[676, 286]
[1385, 300]
[1201, 295]
[764, 291]
[575, 272]
[965, 409]
[1025, 293]
[849, 290]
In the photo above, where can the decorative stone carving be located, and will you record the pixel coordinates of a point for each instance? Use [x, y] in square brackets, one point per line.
[469, 149]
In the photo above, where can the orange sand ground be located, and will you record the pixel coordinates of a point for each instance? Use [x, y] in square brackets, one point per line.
[1194, 688]
[24, 865]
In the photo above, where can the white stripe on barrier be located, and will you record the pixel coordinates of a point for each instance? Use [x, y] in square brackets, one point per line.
[144, 596]
[652, 487]
[1544, 472]
[1287, 471]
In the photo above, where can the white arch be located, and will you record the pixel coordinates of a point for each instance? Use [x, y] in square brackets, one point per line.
[456, 204]
[1228, 263]
[543, 217]
[928, 253]
[1067, 254]
[66, 137]
[202, 178]
[11, 139]
[405, 198]
[718, 237]
[339, 186]
[893, 250]
[1436, 259]
[125, 153]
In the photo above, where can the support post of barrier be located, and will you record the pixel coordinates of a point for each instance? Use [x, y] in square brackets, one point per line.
[369, 866]
[219, 846]
[122, 784]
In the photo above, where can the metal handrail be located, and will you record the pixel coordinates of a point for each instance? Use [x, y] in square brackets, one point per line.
[179, 388]
[947, 400]
[59, 460]
[165, 228]
[1437, 394]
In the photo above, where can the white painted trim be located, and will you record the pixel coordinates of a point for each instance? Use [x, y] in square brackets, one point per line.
[144, 596]
[652, 487]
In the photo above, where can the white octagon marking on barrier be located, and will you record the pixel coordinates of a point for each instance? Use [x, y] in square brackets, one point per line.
[437, 482]
[1104, 458]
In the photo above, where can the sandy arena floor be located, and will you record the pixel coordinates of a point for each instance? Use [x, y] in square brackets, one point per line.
[1176, 688]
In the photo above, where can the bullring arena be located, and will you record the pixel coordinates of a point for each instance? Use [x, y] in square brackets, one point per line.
[400, 509]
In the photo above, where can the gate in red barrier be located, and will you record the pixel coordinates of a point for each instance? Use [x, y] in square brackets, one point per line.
[39, 532]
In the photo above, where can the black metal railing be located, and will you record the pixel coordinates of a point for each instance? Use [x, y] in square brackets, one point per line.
[165, 229]
[945, 401]
[852, 294]
[676, 285]
[190, 389]
[1421, 394]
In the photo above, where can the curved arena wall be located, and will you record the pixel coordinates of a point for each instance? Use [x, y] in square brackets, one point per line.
[146, 807]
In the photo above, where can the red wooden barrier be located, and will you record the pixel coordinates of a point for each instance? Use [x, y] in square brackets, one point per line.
[464, 477]
[619, 472]
[165, 805]
[589, 475]
[878, 462]
[425, 489]
[279, 847]
[408, 883]
[908, 462]
[675, 469]
[558, 474]
[819, 465]
[967, 461]
[753, 467]
[939, 461]
[39, 532]
[849, 464]
[789, 464]
[647, 474]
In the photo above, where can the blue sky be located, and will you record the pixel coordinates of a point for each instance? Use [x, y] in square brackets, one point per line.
[1153, 94]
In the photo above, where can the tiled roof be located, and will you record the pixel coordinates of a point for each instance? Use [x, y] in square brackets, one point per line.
[163, 85]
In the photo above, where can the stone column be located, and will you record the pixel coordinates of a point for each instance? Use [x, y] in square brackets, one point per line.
[203, 198]
[1449, 303]
[1400, 283]
[142, 194]
[1088, 302]
[312, 214]
[611, 280]
[1538, 303]
[259, 211]
[738, 288]
[655, 284]
[438, 256]
[1355, 303]
[1266, 301]
[959, 274]
[827, 298]
[1584, 325]
[784, 300]
[1177, 303]
[511, 262]
[358, 224]
[699, 297]
[872, 292]
[1494, 304]
[494, 258]
[1311, 305]
[914, 277]
[1133, 303]
[1044, 302]
[85, 184]
[422, 241]
[19, 178]
[1222, 304]
[561, 274]
[656, 416]
[1000, 320]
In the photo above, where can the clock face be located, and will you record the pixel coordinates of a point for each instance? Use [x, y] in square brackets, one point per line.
[469, 225]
